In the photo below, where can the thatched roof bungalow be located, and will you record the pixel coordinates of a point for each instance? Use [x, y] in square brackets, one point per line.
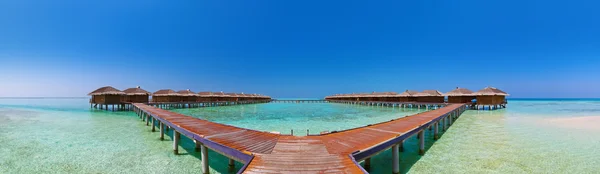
[490, 96]
[136, 95]
[430, 96]
[349, 97]
[460, 95]
[166, 95]
[360, 97]
[338, 96]
[243, 97]
[232, 97]
[264, 97]
[408, 96]
[205, 96]
[219, 96]
[106, 95]
[342, 97]
[385, 96]
[187, 96]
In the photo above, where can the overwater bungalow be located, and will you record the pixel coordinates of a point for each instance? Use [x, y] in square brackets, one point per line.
[346, 97]
[244, 97]
[349, 97]
[205, 96]
[352, 97]
[367, 97]
[187, 96]
[166, 95]
[219, 96]
[247, 97]
[430, 96]
[263, 97]
[408, 96]
[266, 97]
[460, 95]
[260, 97]
[385, 96]
[232, 97]
[136, 95]
[491, 97]
[359, 97]
[106, 96]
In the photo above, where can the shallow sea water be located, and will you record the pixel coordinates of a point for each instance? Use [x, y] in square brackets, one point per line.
[314, 117]
[65, 136]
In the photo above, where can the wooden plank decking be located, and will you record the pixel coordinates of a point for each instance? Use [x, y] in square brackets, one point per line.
[264, 152]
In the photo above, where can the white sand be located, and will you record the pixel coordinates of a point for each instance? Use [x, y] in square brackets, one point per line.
[585, 122]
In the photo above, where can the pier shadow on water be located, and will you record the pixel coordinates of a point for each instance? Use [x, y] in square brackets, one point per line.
[217, 163]
[382, 162]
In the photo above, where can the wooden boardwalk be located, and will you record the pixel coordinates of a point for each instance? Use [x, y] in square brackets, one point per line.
[391, 103]
[264, 152]
[298, 101]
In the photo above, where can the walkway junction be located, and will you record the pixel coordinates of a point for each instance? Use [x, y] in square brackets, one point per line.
[271, 152]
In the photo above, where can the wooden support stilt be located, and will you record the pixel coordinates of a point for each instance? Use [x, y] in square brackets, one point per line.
[204, 158]
[436, 131]
[153, 124]
[231, 164]
[175, 142]
[162, 131]
[444, 125]
[422, 142]
[198, 146]
[401, 146]
[395, 159]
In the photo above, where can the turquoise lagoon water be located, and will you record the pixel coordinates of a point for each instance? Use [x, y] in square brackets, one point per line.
[530, 136]
[314, 117]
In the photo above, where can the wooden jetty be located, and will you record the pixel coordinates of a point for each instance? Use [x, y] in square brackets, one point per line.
[299, 101]
[326, 152]
[489, 97]
[334, 152]
[106, 97]
[179, 105]
[418, 105]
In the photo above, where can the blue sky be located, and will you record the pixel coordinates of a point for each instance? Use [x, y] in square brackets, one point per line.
[300, 48]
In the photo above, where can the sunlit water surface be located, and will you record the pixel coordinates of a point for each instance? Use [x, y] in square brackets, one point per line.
[530, 136]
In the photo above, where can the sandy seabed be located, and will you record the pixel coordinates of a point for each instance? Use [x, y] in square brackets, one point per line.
[583, 122]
